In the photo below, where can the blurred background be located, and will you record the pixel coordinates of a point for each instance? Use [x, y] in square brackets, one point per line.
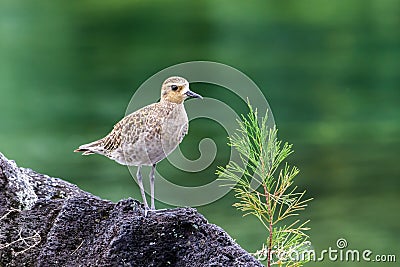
[329, 69]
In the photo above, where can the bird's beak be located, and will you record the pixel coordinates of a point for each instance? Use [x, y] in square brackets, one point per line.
[193, 94]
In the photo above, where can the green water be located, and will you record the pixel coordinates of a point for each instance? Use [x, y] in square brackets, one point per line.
[329, 69]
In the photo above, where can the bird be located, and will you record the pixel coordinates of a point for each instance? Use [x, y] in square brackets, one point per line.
[148, 135]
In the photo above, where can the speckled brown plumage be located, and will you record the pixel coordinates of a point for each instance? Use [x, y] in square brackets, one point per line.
[149, 134]
[144, 131]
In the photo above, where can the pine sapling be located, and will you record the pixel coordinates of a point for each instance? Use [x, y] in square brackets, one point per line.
[263, 185]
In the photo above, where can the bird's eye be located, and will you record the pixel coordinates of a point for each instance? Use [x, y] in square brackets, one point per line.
[174, 87]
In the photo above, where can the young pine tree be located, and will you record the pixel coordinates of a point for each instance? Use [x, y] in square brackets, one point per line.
[263, 183]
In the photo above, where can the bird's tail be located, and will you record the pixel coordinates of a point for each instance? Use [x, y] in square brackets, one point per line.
[88, 149]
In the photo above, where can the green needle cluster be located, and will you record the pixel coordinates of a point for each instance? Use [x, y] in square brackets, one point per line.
[263, 185]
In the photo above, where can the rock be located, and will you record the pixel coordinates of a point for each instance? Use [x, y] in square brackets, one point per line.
[45, 221]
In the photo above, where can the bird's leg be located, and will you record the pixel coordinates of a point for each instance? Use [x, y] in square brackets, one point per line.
[152, 186]
[140, 182]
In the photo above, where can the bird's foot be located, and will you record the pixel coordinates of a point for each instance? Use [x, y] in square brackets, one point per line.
[147, 210]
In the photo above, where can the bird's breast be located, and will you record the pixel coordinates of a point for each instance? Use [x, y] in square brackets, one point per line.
[174, 128]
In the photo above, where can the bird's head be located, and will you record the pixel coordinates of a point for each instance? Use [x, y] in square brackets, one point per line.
[176, 90]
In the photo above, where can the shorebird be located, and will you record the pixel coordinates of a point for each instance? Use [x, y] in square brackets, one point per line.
[148, 135]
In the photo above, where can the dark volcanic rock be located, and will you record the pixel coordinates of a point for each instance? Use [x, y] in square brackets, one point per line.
[46, 221]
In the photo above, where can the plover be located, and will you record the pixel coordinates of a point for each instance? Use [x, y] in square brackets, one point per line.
[148, 135]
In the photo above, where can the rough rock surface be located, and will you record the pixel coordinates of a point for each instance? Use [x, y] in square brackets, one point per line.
[46, 221]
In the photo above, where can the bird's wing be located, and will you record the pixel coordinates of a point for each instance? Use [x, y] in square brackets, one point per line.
[106, 144]
[146, 121]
